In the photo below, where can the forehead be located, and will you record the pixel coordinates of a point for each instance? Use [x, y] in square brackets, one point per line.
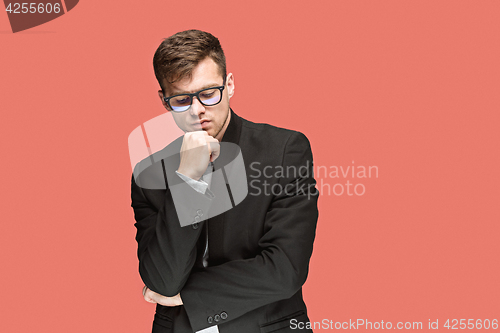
[206, 74]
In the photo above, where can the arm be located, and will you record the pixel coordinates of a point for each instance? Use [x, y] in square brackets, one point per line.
[166, 251]
[280, 269]
[166, 240]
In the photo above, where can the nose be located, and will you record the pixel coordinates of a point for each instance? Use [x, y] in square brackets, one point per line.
[196, 107]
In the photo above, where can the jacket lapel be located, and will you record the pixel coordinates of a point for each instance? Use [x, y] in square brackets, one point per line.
[216, 224]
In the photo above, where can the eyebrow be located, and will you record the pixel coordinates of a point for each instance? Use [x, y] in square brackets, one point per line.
[180, 92]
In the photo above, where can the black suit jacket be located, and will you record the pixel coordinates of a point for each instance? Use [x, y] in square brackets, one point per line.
[258, 251]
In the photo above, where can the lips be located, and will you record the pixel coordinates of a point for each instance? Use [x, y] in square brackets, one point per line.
[202, 123]
[205, 124]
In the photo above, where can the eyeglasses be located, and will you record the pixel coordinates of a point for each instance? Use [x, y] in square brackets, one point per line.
[208, 97]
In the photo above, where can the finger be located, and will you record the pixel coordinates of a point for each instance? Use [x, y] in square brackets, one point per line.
[209, 141]
[214, 156]
[149, 300]
[215, 149]
[150, 296]
[209, 149]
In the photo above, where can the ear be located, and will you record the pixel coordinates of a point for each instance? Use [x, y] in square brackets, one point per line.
[230, 84]
[160, 94]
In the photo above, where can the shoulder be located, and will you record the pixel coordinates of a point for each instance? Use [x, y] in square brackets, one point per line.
[272, 135]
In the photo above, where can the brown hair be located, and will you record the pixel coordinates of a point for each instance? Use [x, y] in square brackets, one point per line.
[178, 55]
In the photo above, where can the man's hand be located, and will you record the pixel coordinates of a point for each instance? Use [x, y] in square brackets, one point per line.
[198, 149]
[152, 297]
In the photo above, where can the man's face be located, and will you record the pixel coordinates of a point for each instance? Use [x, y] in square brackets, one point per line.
[212, 119]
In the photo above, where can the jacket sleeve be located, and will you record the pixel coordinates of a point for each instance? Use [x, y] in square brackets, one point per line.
[280, 269]
[166, 250]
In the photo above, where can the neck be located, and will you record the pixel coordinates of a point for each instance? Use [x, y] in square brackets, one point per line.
[224, 127]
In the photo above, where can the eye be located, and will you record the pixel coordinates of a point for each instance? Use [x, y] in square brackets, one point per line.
[208, 94]
[181, 100]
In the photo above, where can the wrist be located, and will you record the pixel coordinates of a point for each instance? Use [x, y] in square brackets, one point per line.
[188, 173]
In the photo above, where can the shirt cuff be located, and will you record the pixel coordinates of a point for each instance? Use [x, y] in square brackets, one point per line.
[211, 329]
[197, 185]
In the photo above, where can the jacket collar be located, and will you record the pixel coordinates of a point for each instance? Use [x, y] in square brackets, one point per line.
[233, 130]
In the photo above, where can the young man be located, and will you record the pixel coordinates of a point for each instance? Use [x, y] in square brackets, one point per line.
[212, 269]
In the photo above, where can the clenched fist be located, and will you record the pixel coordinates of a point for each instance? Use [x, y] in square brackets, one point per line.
[197, 151]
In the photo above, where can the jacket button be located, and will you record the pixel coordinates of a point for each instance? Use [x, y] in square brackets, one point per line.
[210, 319]
[199, 212]
[223, 315]
[217, 318]
[195, 226]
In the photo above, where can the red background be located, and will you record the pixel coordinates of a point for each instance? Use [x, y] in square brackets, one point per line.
[411, 87]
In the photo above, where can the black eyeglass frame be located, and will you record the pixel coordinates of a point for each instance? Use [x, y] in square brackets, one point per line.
[197, 95]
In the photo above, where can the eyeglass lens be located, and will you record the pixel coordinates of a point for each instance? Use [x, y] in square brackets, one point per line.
[207, 97]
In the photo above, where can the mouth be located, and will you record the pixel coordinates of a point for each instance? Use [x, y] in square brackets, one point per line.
[202, 123]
